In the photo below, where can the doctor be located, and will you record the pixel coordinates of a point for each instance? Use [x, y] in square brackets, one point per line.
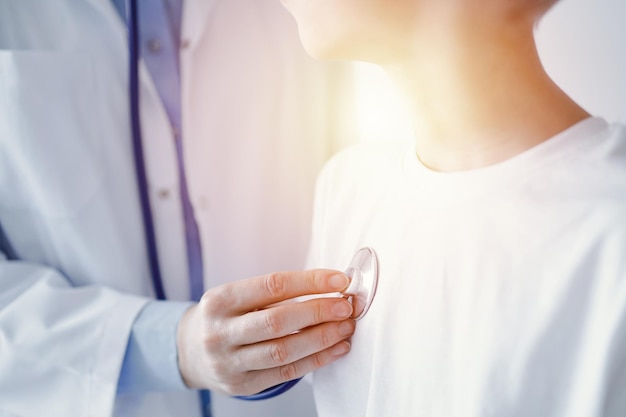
[236, 120]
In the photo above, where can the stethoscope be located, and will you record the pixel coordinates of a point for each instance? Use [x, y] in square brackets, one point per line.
[362, 270]
[140, 166]
[363, 273]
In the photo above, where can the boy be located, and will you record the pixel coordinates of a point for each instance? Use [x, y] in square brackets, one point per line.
[501, 234]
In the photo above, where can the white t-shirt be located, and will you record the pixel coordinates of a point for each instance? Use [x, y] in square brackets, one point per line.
[502, 290]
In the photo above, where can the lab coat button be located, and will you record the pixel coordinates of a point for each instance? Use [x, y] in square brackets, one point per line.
[184, 44]
[176, 132]
[203, 203]
[163, 193]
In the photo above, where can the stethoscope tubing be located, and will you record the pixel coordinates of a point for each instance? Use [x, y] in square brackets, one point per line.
[142, 183]
[140, 166]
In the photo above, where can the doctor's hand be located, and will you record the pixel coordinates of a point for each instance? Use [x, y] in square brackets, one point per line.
[236, 340]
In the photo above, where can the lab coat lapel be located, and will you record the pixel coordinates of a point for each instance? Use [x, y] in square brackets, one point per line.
[196, 16]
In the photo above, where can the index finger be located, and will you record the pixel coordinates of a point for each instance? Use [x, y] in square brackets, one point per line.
[258, 292]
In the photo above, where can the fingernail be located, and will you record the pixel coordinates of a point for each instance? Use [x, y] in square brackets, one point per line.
[340, 348]
[346, 328]
[339, 282]
[342, 309]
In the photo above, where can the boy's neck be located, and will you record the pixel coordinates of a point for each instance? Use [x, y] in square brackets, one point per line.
[480, 98]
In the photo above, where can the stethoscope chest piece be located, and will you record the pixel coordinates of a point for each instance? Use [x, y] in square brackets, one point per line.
[363, 273]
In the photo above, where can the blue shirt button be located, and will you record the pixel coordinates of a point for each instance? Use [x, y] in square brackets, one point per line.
[154, 46]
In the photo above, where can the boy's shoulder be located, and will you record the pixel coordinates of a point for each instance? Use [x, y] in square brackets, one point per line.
[599, 167]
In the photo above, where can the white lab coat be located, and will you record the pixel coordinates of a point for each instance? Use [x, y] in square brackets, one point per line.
[260, 118]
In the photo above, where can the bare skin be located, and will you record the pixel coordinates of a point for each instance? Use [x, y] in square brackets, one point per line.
[232, 343]
[480, 96]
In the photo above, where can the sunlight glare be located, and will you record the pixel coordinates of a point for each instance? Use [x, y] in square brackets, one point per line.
[381, 112]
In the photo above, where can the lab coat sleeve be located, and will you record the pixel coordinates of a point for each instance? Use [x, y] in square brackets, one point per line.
[61, 347]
